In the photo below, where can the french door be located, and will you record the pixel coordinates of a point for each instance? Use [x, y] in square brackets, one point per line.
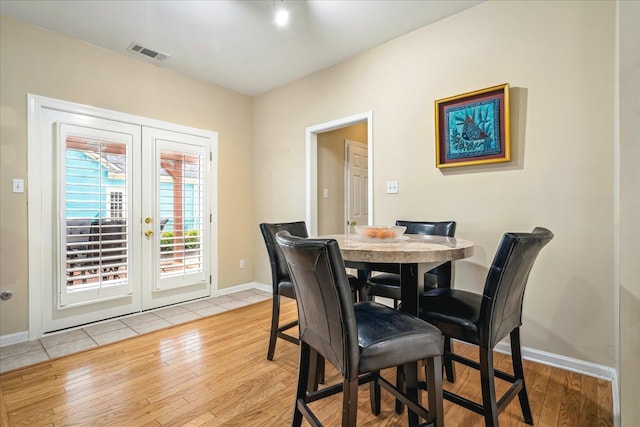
[130, 209]
[176, 216]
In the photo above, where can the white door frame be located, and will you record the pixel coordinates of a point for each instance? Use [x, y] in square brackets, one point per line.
[312, 163]
[40, 253]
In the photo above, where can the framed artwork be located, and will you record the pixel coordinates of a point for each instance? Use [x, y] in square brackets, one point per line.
[473, 128]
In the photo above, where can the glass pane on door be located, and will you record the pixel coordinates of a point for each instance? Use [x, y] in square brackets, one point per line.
[181, 212]
[177, 216]
[95, 210]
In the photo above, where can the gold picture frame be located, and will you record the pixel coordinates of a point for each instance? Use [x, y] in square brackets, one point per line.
[473, 128]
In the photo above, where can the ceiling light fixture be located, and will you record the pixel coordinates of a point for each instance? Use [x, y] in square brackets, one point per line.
[280, 15]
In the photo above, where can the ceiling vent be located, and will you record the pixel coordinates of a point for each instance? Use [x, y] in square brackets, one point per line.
[151, 54]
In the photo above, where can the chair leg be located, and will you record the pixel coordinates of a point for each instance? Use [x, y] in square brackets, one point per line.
[411, 390]
[275, 320]
[374, 394]
[318, 367]
[401, 387]
[303, 382]
[487, 382]
[448, 362]
[350, 403]
[363, 277]
[433, 372]
[518, 373]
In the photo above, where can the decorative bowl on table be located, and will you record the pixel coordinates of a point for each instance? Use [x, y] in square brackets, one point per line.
[380, 232]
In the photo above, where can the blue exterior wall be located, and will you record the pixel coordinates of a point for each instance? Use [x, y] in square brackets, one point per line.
[86, 187]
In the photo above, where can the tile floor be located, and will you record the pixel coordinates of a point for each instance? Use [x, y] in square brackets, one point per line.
[67, 342]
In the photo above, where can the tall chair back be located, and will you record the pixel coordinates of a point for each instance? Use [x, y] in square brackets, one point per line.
[325, 306]
[503, 295]
[438, 228]
[277, 262]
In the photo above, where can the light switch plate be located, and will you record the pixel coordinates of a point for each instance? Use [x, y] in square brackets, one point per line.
[392, 187]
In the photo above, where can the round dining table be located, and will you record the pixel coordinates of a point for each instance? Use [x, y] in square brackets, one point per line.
[415, 253]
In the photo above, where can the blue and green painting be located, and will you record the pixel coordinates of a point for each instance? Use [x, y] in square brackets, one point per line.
[473, 130]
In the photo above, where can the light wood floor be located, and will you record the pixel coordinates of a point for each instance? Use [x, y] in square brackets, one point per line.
[214, 372]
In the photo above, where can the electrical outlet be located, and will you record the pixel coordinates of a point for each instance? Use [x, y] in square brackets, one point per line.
[392, 187]
[18, 186]
[242, 263]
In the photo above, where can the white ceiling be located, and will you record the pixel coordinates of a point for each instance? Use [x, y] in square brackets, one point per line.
[234, 43]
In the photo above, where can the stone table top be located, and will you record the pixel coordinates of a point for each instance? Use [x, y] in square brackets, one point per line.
[409, 248]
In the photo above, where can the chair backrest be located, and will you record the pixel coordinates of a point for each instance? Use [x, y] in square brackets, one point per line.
[503, 294]
[439, 228]
[445, 272]
[325, 309]
[279, 270]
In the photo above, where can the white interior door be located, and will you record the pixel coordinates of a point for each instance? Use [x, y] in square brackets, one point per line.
[357, 183]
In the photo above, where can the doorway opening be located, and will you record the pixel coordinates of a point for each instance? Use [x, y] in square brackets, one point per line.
[317, 221]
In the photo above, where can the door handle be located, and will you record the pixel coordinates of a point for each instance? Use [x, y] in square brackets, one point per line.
[148, 233]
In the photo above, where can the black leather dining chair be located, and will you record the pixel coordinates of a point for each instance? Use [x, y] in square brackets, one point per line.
[387, 283]
[485, 319]
[358, 339]
[281, 283]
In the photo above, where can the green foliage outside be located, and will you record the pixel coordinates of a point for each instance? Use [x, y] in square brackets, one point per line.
[166, 240]
[191, 240]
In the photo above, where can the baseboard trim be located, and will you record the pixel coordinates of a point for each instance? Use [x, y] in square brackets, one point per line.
[16, 338]
[562, 362]
[573, 365]
[244, 287]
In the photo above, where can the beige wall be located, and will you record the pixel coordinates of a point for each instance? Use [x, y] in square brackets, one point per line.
[629, 314]
[559, 60]
[331, 219]
[44, 63]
